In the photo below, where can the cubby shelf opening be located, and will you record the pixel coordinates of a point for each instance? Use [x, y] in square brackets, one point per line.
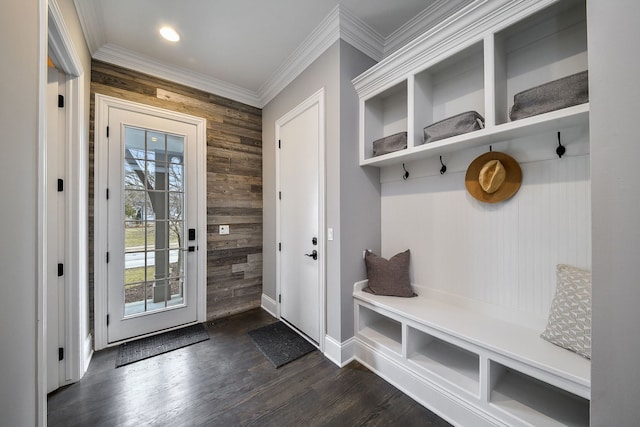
[385, 114]
[450, 87]
[546, 46]
[534, 401]
[451, 363]
[380, 329]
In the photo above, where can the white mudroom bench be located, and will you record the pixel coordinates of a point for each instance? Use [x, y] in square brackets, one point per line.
[471, 363]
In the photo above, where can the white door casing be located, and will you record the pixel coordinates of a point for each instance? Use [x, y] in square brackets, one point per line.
[109, 215]
[55, 41]
[300, 181]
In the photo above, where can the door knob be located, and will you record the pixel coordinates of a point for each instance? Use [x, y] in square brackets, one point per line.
[313, 254]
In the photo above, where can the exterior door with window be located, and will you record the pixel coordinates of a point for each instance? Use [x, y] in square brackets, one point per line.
[301, 260]
[152, 224]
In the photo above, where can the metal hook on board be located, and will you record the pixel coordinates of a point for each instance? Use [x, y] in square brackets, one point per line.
[405, 175]
[560, 150]
[443, 169]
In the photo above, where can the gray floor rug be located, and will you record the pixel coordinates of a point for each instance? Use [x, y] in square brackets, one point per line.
[145, 348]
[280, 344]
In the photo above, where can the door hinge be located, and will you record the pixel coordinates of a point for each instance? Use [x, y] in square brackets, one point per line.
[279, 195]
[107, 257]
[60, 101]
[280, 247]
[108, 319]
[60, 353]
[279, 144]
[280, 298]
[60, 185]
[107, 194]
[107, 131]
[60, 269]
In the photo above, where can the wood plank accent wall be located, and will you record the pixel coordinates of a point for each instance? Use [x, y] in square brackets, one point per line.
[234, 181]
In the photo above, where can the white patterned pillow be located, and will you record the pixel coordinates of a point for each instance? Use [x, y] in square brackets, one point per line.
[569, 323]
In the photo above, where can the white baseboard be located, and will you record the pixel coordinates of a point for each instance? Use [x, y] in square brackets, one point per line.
[339, 353]
[269, 305]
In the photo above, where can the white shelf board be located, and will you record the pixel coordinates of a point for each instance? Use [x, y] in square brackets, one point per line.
[553, 120]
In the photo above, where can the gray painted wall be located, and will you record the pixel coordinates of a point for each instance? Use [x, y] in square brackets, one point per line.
[614, 67]
[19, 173]
[359, 189]
[350, 191]
[322, 73]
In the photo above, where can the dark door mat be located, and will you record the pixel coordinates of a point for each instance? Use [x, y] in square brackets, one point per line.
[280, 344]
[145, 348]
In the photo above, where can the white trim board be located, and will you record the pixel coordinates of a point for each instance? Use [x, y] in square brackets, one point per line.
[340, 353]
[269, 305]
[55, 39]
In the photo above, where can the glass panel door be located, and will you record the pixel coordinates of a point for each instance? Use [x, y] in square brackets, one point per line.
[152, 270]
[153, 220]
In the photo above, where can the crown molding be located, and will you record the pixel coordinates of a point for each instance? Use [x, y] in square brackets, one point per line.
[125, 58]
[90, 15]
[320, 39]
[360, 35]
[339, 24]
[457, 31]
[422, 22]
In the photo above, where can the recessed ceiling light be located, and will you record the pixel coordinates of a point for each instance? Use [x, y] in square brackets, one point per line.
[169, 34]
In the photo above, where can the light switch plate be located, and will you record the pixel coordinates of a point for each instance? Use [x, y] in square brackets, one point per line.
[329, 233]
[223, 229]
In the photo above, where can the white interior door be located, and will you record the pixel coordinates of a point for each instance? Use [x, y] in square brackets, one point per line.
[55, 334]
[300, 219]
[152, 205]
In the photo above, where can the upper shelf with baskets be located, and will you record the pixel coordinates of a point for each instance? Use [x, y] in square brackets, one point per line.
[464, 67]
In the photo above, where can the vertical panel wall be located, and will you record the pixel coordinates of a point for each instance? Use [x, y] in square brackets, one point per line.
[234, 181]
[503, 254]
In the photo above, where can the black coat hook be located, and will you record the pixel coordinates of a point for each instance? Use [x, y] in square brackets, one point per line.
[561, 148]
[405, 175]
[443, 169]
[490, 148]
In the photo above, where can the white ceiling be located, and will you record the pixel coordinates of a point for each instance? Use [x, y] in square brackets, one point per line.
[247, 49]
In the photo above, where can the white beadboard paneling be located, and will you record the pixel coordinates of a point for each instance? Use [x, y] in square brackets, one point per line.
[503, 254]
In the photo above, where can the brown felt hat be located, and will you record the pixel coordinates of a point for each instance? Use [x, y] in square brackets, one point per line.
[493, 177]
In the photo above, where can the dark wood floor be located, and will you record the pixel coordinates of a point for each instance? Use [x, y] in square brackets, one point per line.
[226, 381]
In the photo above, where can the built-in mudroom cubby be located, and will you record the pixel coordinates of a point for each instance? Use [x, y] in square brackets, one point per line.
[468, 346]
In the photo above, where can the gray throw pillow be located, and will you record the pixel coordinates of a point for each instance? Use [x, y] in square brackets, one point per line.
[389, 277]
[569, 323]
